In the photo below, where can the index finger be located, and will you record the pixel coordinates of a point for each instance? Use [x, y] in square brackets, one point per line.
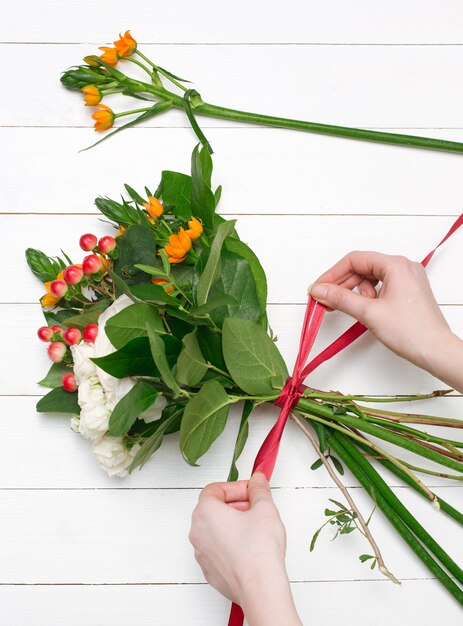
[225, 492]
[372, 265]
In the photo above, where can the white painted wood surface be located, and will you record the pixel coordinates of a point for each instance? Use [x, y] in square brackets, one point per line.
[78, 548]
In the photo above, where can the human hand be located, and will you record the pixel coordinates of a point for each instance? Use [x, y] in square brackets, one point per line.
[240, 544]
[404, 315]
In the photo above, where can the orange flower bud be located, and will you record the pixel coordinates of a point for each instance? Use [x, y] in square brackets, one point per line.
[178, 247]
[196, 229]
[90, 60]
[162, 281]
[125, 45]
[120, 231]
[109, 55]
[154, 207]
[104, 118]
[92, 95]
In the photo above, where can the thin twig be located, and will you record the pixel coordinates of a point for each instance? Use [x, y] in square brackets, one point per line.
[302, 424]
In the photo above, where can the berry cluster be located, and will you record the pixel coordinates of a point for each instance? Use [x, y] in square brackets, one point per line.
[60, 339]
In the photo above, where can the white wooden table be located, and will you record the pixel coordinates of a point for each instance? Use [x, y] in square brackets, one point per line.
[78, 548]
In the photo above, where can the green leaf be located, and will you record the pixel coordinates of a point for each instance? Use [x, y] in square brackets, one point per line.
[214, 304]
[158, 352]
[55, 375]
[203, 420]
[314, 539]
[210, 343]
[176, 192]
[241, 439]
[211, 271]
[135, 195]
[90, 316]
[318, 463]
[252, 358]
[191, 365]
[126, 411]
[339, 504]
[133, 359]
[365, 557]
[202, 199]
[193, 95]
[43, 266]
[218, 194]
[337, 464]
[153, 442]
[136, 246]
[121, 285]
[241, 249]
[56, 318]
[153, 293]
[132, 322]
[236, 281]
[59, 401]
[123, 214]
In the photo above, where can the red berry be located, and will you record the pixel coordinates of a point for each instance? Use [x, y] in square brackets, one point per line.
[107, 244]
[58, 288]
[72, 336]
[56, 351]
[58, 330]
[69, 382]
[91, 264]
[45, 333]
[90, 332]
[73, 274]
[88, 242]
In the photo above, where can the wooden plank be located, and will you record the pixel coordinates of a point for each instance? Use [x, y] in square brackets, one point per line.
[139, 536]
[383, 86]
[417, 601]
[294, 250]
[47, 443]
[365, 367]
[325, 176]
[181, 21]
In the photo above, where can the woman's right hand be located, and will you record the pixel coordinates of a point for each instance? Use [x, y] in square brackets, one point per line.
[403, 315]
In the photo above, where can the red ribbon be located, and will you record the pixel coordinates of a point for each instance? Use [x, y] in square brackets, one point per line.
[294, 387]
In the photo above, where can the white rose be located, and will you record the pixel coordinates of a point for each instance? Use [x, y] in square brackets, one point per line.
[155, 411]
[113, 456]
[95, 411]
[103, 347]
[81, 355]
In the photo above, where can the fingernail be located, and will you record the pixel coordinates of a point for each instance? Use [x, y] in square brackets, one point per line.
[319, 292]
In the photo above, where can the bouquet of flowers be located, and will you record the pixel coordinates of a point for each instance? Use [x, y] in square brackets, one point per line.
[162, 327]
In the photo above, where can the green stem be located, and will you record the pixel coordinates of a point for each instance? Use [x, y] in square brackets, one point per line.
[337, 397]
[132, 112]
[411, 141]
[404, 522]
[132, 60]
[161, 71]
[386, 435]
[445, 506]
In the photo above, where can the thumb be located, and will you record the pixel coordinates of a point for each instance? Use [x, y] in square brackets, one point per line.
[258, 489]
[340, 299]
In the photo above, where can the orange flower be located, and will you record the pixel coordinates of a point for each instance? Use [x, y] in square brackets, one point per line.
[92, 95]
[154, 207]
[109, 55]
[120, 231]
[178, 247]
[105, 263]
[162, 281]
[196, 229]
[104, 118]
[49, 300]
[125, 45]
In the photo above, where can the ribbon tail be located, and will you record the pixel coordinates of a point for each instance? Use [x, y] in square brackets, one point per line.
[236, 616]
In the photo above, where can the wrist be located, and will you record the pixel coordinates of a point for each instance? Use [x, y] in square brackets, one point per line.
[442, 355]
[266, 597]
